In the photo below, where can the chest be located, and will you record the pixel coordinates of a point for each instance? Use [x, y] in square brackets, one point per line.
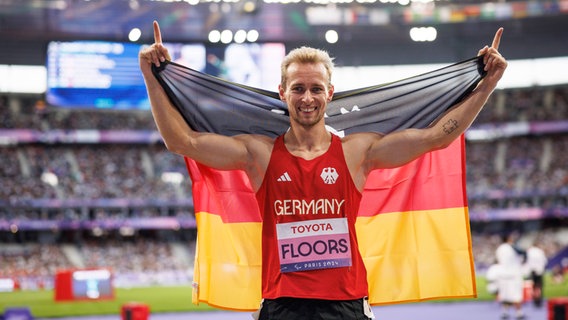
[325, 174]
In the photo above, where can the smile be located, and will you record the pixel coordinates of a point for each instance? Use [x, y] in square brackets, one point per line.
[308, 109]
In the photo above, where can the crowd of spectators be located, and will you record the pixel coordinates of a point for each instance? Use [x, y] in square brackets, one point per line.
[515, 172]
[526, 104]
[135, 172]
[148, 262]
[524, 171]
[31, 112]
[133, 262]
[32, 265]
[550, 239]
[518, 172]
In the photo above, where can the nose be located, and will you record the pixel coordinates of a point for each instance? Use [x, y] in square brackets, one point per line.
[307, 97]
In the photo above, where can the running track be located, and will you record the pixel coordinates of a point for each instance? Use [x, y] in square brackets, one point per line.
[418, 311]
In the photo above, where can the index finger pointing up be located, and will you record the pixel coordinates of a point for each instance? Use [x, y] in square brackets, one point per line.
[496, 39]
[157, 34]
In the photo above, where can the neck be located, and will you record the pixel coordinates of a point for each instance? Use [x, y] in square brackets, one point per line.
[307, 144]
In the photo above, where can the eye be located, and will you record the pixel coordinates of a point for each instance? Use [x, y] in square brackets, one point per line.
[297, 89]
[317, 90]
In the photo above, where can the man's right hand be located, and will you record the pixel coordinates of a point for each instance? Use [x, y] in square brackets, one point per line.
[154, 54]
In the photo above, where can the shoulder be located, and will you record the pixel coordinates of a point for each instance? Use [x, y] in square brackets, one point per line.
[256, 142]
[361, 137]
[360, 141]
[259, 150]
[255, 138]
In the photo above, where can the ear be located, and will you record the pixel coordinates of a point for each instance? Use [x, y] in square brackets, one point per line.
[330, 92]
[281, 92]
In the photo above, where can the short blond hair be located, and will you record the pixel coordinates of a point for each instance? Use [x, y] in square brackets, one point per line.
[306, 55]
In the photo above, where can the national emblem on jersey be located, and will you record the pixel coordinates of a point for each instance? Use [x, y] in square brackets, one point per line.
[329, 175]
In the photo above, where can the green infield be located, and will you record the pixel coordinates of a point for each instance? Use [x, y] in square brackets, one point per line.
[551, 290]
[159, 299]
[167, 299]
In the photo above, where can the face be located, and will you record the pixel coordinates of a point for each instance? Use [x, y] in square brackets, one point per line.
[307, 93]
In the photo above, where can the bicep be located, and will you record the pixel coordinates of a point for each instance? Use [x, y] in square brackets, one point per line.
[219, 151]
[398, 148]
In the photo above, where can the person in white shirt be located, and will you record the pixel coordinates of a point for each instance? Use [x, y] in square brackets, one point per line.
[535, 268]
[510, 282]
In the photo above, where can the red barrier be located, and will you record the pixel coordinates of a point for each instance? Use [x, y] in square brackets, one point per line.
[135, 311]
[558, 308]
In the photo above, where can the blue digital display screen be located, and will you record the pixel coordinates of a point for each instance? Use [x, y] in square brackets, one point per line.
[94, 74]
[106, 75]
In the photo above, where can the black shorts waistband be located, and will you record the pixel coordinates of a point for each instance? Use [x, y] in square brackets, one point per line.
[286, 308]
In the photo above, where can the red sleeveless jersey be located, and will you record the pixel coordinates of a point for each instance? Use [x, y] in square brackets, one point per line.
[309, 207]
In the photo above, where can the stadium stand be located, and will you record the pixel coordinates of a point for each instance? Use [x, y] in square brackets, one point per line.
[70, 200]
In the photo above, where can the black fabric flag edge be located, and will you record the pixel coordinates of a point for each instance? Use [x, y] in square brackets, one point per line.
[211, 104]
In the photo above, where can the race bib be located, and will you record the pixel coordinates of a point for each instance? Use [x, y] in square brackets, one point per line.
[314, 244]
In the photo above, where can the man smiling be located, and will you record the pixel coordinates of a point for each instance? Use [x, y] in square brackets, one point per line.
[326, 277]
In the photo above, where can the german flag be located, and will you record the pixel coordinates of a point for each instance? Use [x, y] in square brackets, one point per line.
[413, 223]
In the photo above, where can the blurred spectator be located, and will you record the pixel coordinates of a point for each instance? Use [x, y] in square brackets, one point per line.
[535, 268]
[510, 286]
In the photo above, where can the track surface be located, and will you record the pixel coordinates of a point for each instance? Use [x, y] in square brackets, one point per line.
[418, 311]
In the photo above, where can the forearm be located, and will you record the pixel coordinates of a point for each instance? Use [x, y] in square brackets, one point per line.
[214, 150]
[170, 123]
[398, 148]
[460, 117]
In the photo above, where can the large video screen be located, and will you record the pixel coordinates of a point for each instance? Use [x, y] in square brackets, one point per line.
[92, 284]
[106, 75]
[103, 75]
[83, 284]
[91, 74]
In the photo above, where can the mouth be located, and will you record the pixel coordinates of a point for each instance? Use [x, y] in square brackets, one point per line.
[307, 110]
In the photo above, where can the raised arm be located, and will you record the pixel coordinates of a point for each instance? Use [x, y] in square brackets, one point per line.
[398, 148]
[217, 151]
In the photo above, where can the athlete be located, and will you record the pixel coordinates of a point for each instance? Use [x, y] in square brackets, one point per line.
[308, 182]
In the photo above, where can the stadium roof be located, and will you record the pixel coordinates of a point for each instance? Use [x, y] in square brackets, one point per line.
[369, 32]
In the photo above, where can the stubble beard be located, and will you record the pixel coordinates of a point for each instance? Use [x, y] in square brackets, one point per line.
[308, 123]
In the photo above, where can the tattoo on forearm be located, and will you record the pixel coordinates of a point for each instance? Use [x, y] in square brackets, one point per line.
[450, 126]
